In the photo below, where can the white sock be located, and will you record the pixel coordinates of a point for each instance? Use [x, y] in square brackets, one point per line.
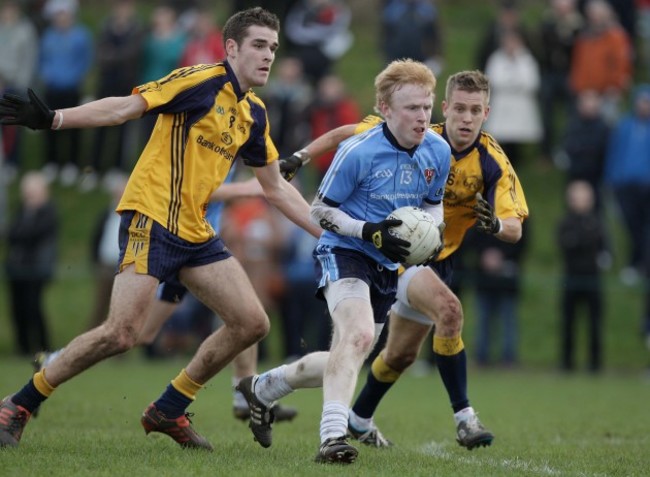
[464, 414]
[272, 385]
[238, 399]
[361, 424]
[334, 420]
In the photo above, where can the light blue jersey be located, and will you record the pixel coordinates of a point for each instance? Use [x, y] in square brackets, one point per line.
[371, 175]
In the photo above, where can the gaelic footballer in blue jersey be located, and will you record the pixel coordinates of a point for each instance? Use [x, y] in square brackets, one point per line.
[482, 189]
[398, 163]
[478, 168]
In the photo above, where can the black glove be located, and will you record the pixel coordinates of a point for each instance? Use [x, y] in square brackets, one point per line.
[289, 166]
[33, 113]
[486, 221]
[434, 256]
[380, 236]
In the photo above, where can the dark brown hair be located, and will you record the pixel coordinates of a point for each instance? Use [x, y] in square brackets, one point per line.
[236, 27]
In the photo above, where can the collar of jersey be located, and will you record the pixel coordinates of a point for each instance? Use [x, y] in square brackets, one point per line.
[393, 141]
[233, 79]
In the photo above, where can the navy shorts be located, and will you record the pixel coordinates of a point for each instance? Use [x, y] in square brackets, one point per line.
[444, 269]
[155, 251]
[334, 263]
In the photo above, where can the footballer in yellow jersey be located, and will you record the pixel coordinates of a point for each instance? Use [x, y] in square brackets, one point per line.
[207, 118]
[205, 121]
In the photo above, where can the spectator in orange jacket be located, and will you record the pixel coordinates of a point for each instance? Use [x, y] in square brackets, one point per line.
[602, 58]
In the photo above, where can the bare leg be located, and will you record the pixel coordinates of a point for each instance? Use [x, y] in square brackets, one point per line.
[224, 287]
[245, 363]
[404, 341]
[161, 311]
[130, 303]
[353, 337]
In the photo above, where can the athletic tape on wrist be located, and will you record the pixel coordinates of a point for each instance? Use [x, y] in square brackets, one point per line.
[60, 122]
[304, 156]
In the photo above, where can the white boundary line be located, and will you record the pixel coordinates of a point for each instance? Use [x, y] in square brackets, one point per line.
[439, 450]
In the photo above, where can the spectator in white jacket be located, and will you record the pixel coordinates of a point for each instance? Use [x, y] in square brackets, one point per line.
[514, 74]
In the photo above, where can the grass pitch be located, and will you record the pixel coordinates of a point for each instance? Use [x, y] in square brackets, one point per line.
[546, 424]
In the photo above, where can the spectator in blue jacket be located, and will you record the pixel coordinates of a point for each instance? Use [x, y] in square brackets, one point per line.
[66, 56]
[627, 172]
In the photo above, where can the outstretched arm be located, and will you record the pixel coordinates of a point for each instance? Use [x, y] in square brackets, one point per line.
[35, 114]
[329, 141]
[110, 111]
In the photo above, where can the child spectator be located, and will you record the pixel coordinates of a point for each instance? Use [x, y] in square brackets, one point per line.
[581, 239]
[31, 258]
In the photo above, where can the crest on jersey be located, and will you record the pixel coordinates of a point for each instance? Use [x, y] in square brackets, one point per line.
[428, 175]
[226, 138]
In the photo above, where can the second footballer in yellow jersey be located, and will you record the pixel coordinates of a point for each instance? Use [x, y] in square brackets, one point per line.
[482, 168]
[207, 118]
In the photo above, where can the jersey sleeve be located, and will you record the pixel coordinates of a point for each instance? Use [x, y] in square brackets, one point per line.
[184, 89]
[502, 187]
[259, 150]
[510, 198]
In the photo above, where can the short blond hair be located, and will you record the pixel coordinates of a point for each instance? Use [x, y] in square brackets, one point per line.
[473, 81]
[399, 73]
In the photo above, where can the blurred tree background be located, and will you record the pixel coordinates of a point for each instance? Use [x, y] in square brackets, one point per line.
[69, 298]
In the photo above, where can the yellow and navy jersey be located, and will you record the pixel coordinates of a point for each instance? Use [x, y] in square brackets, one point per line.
[482, 167]
[205, 121]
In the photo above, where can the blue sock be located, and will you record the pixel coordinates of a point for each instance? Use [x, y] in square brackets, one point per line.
[370, 396]
[28, 397]
[172, 403]
[453, 371]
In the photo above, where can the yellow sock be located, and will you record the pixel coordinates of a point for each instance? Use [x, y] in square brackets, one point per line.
[185, 385]
[41, 384]
[382, 372]
[448, 346]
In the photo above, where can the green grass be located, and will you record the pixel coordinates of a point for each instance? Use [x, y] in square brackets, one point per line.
[545, 424]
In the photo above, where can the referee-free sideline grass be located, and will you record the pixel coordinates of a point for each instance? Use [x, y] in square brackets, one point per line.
[546, 424]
